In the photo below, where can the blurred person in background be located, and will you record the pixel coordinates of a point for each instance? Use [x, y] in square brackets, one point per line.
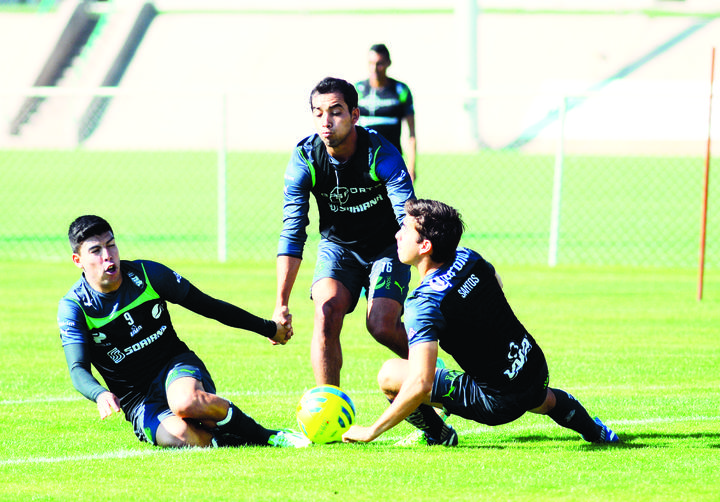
[385, 103]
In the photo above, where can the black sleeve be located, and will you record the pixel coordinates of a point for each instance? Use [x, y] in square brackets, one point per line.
[226, 313]
[80, 372]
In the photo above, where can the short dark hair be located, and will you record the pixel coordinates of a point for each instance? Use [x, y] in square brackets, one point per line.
[382, 50]
[85, 227]
[439, 223]
[330, 85]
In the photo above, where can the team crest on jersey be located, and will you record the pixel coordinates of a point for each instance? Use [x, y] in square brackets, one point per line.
[157, 310]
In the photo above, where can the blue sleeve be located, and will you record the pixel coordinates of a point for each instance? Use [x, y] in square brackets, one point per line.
[423, 320]
[391, 170]
[75, 337]
[71, 321]
[78, 362]
[170, 285]
[298, 183]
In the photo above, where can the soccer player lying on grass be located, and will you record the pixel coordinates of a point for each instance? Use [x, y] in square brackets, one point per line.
[115, 318]
[460, 305]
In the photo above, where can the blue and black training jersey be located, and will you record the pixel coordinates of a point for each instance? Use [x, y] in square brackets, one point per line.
[128, 333]
[463, 308]
[360, 202]
[384, 109]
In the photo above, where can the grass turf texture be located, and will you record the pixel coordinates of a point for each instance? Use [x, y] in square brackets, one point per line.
[632, 344]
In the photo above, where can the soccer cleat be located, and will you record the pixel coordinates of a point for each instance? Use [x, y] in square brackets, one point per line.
[449, 437]
[415, 438]
[289, 439]
[606, 434]
[419, 438]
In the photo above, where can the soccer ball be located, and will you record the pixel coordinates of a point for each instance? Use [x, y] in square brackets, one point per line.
[325, 413]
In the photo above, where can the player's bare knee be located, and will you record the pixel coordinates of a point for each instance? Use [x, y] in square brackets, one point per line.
[379, 327]
[184, 405]
[390, 376]
[329, 312]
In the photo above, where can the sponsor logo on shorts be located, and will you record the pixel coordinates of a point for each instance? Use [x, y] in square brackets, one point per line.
[517, 355]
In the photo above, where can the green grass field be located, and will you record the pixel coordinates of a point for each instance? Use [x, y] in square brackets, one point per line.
[632, 344]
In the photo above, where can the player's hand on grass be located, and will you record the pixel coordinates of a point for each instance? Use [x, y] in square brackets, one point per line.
[283, 334]
[358, 434]
[107, 404]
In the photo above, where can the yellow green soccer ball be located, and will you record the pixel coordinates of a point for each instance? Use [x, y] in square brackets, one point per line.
[325, 413]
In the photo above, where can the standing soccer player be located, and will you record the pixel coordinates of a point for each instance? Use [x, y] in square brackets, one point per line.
[461, 307]
[385, 103]
[115, 318]
[360, 184]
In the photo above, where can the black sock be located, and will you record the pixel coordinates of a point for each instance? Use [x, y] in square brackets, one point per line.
[427, 420]
[238, 429]
[569, 413]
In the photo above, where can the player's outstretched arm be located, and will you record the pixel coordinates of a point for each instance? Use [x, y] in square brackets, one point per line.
[227, 313]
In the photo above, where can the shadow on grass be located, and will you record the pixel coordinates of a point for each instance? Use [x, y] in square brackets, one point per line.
[631, 441]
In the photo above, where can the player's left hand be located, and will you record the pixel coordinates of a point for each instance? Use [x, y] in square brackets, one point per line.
[358, 434]
[107, 404]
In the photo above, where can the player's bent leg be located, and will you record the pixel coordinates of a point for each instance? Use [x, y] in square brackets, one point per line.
[187, 398]
[385, 325]
[568, 412]
[391, 376]
[332, 301]
[174, 432]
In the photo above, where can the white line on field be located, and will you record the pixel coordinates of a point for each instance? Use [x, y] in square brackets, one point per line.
[81, 458]
[390, 438]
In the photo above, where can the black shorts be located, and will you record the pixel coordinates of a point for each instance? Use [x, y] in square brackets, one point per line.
[461, 395]
[384, 277]
[154, 408]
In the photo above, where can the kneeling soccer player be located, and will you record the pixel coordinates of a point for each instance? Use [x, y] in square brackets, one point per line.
[460, 305]
[115, 318]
